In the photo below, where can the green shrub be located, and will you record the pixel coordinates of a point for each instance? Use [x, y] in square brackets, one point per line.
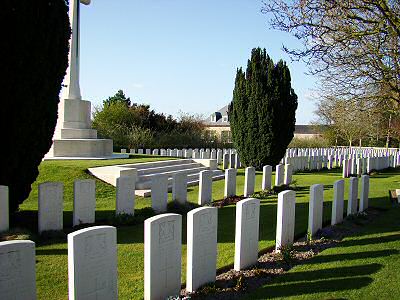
[33, 60]
[262, 112]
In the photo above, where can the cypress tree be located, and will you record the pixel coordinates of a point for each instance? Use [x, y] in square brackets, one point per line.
[33, 61]
[262, 113]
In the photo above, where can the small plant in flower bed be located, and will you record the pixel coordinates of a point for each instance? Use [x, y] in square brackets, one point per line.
[262, 194]
[287, 254]
[227, 201]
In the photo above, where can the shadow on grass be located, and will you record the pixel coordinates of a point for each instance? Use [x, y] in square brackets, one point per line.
[51, 251]
[352, 256]
[370, 241]
[360, 270]
[303, 288]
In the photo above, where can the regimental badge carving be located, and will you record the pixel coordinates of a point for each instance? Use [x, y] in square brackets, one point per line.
[95, 245]
[251, 211]
[206, 222]
[166, 232]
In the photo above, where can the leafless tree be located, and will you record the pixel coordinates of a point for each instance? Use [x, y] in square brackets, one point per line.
[353, 45]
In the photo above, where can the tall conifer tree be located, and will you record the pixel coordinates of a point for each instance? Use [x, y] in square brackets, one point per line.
[262, 113]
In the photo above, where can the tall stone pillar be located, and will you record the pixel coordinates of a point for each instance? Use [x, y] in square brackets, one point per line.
[73, 136]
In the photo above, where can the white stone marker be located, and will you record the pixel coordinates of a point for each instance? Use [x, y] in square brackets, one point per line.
[359, 166]
[162, 256]
[123, 150]
[219, 156]
[179, 188]
[230, 182]
[249, 181]
[237, 161]
[125, 195]
[205, 187]
[50, 207]
[84, 202]
[159, 193]
[232, 158]
[315, 209]
[225, 162]
[288, 174]
[285, 219]
[201, 264]
[345, 168]
[338, 202]
[246, 233]
[131, 151]
[4, 209]
[17, 270]
[279, 172]
[353, 195]
[364, 193]
[267, 178]
[92, 263]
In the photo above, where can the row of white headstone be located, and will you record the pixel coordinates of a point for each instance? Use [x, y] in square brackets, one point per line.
[92, 252]
[51, 195]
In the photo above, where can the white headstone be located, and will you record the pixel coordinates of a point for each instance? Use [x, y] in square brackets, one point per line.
[123, 150]
[237, 161]
[230, 182]
[17, 270]
[246, 233]
[353, 195]
[4, 209]
[84, 201]
[232, 158]
[219, 156]
[159, 193]
[205, 187]
[288, 174]
[179, 188]
[148, 151]
[364, 192]
[316, 207]
[338, 202]
[285, 220]
[125, 195]
[201, 247]
[225, 162]
[279, 173]
[162, 256]
[92, 263]
[249, 181]
[50, 208]
[267, 177]
[132, 151]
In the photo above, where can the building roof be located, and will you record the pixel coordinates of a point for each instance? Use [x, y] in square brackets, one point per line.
[299, 129]
[224, 113]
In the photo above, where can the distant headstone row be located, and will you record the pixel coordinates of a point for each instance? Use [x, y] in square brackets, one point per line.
[92, 252]
[354, 160]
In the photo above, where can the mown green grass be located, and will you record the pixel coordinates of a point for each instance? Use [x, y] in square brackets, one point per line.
[52, 275]
[363, 266]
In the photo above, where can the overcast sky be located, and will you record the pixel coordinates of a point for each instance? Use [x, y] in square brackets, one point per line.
[179, 55]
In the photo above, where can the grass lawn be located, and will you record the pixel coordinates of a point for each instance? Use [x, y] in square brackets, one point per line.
[52, 275]
[363, 266]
